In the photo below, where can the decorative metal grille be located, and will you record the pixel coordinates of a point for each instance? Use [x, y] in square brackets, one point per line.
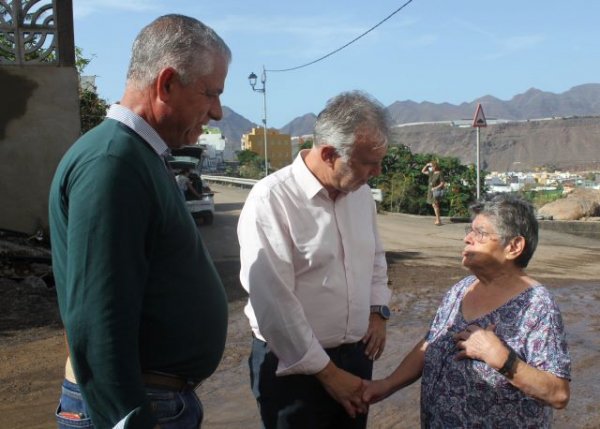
[28, 32]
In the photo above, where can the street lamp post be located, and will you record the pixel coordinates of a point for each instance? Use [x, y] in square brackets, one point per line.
[252, 79]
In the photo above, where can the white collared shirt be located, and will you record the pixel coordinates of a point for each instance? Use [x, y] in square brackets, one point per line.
[312, 266]
[140, 126]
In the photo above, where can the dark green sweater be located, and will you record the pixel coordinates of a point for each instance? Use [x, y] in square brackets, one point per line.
[136, 287]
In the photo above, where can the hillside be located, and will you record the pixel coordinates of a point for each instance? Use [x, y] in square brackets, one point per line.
[301, 126]
[582, 100]
[232, 125]
[569, 143]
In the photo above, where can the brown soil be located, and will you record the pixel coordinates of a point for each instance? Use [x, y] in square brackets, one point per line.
[423, 263]
[32, 352]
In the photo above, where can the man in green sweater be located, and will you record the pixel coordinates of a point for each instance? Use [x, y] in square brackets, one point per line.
[144, 309]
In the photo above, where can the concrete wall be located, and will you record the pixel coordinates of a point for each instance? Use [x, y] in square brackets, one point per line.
[39, 120]
[590, 229]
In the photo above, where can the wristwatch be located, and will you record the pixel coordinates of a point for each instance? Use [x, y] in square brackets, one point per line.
[382, 310]
[508, 366]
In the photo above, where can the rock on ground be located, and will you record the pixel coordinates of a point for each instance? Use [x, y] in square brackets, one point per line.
[580, 203]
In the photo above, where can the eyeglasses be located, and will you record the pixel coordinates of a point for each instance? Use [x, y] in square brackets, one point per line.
[478, 234]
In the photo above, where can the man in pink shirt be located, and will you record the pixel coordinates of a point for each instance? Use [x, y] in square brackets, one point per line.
[314, 267]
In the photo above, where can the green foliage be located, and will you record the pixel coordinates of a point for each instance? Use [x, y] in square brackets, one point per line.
[32, 52]
[247, 156]
[7, 47]
[540, 198]
[92, 109]
[405, 187]
[251, 164]
[461, 185]
[308, 143]
[80, 62]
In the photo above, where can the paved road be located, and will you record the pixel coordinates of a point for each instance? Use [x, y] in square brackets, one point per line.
[559, 255]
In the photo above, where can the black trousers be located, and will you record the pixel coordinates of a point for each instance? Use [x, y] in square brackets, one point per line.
[301, 401]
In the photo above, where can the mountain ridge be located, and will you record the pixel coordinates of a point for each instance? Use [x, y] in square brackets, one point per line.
[579, 101]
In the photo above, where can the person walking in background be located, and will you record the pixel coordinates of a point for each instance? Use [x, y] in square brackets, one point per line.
[496, 352]
[315, 270]
[435, 188]
[144, 309]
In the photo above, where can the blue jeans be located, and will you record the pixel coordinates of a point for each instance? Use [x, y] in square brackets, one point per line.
[301, 401]
[174, 410]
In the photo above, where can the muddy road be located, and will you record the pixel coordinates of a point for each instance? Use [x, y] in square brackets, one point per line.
[424, 261]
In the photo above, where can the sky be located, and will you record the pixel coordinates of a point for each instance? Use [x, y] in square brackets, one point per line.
[439, 51]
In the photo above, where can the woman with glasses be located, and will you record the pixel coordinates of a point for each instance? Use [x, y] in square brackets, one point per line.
[495, 354]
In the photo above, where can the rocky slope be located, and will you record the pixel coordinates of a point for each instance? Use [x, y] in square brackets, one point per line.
[568, 137]
[569, 143]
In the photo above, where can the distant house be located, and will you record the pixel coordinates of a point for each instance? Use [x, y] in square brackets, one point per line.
[217, 149]
[279, 146]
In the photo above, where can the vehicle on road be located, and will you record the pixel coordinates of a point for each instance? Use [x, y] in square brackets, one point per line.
[190, 157]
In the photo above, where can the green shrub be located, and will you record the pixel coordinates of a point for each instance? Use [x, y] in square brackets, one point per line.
[405, 187]
[540, 198]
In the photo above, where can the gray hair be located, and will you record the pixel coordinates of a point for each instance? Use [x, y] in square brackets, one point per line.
[346, 113]
[177, 41]
[512, 217]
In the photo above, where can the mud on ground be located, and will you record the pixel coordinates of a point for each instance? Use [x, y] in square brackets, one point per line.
[32, 350]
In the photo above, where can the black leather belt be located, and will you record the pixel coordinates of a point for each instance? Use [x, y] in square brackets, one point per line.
[166, 381]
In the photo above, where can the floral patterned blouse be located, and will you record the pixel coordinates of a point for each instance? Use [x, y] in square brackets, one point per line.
[468, 393]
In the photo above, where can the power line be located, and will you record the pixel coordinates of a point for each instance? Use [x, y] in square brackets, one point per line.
[347, 44]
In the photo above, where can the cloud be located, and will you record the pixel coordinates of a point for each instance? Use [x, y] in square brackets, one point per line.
[84, 8]
[303, 38]
[420, 41]
[303, 27]
[519, 43]
[514, 44]
[503, 46]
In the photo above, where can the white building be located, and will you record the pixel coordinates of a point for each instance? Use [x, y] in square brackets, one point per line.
[218, 149]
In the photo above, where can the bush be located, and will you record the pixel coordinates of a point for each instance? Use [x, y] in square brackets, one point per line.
[541, 198]
[405, 187]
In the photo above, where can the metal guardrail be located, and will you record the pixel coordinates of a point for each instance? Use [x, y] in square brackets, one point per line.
[248, 183]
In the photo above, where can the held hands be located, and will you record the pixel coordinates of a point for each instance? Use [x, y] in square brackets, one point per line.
[353, 393]
[348, 389]
[481, 344]
[472, 343]
[376, 390]
[344, 387]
